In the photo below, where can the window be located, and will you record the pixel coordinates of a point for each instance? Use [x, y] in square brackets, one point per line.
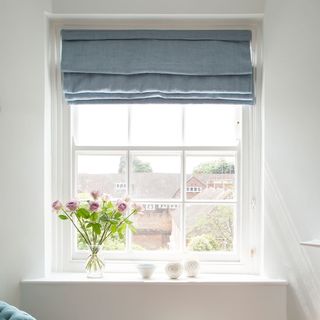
[193, 167]
[183, 163]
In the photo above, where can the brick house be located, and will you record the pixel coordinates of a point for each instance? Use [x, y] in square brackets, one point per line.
[158, 227]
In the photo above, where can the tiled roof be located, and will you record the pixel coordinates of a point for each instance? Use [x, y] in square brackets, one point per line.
[147, 185]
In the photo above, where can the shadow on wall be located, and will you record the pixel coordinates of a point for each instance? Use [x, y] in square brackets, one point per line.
[284, 257]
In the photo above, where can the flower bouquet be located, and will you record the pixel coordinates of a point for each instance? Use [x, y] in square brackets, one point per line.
[96, 221]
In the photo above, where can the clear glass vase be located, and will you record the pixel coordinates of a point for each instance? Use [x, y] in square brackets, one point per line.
[94, 264]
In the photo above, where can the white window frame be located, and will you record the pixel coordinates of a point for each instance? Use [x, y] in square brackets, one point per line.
[248, 260]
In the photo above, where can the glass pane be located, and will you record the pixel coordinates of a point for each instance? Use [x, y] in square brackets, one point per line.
[100, 125]
[103, 172]
[212, 125]
[210, 177]
[111, 244]
[158, 227]
[155, 176]
[155, 125]
[209, 227]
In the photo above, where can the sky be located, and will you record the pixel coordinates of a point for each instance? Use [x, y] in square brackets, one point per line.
[152, 125]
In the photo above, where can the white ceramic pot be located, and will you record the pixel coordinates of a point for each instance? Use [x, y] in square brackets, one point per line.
[174, 270]
[192, 267]
[146, 270]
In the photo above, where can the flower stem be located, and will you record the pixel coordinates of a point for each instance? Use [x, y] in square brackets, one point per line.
[81, 234]
[119, 224]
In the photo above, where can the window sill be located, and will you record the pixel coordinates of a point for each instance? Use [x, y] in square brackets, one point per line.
[134, 278]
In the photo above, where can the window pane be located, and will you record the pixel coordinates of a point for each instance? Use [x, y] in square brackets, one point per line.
[155, 175]
[104, 172]
[95, 125]
[111, 244]
[210, 177]
[212, 125]
[209, 227]
[155, 125]
[158, 227]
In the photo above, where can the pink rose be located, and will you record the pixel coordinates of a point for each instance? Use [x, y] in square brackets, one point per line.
[72, 205]
[122, 205]
[57, 205]
[137, 207]
[94, 205]
[95, 194]
[105, 197]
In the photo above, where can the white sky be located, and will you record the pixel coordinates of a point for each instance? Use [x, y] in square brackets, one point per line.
[152, 125]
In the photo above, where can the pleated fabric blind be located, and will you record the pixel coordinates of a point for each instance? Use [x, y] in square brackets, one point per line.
[157, 66]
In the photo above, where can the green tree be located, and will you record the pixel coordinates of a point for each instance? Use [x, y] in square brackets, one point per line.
[138, 165]
[211, 230]
[203, 242]
[216, 167]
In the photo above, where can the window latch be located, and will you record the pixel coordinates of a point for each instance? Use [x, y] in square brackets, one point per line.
[253, 203]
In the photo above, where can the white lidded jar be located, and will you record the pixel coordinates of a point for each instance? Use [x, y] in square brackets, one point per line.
[192, 267]
[174, 269]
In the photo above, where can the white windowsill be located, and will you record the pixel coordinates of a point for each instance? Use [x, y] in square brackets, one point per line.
[134, 278]
[312, 243]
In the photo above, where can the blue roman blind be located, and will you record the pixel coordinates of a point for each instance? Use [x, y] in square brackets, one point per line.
[157, 66]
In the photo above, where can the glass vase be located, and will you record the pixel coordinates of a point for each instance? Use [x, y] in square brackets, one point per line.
[94, 264]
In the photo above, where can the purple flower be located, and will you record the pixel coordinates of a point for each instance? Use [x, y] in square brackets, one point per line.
[95, 194]
[122, 205]
[57, 205]
[72, 205]
[94, 205]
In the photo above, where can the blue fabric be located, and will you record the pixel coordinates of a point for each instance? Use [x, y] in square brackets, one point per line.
[163, 65]
[8, 312]
[224, 35]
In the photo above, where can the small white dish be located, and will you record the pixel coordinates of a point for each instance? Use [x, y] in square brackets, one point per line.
[146, 270]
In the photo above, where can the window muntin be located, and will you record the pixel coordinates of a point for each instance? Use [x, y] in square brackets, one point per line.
[155, 174]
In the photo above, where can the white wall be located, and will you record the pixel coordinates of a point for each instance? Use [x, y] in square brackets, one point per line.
[158, 301]
[22, 76]
[292, 150]
[292, 114]
[158, 6]
[22, 118]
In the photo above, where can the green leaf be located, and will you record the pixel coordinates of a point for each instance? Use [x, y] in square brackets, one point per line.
[84, 213]
[108, 210]
[96, 228]
[94, 216]
[114, 222]
[122, 229]
[63, 217]
[109, 205]
[132, 228]
[113, 228]
[118, 215]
